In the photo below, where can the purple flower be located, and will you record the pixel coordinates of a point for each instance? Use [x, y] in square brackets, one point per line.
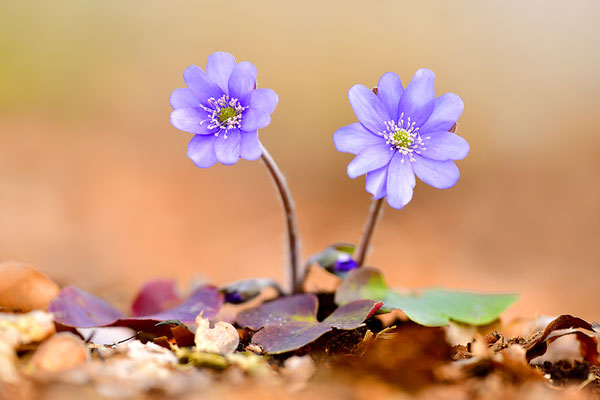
[403, 133]
[224, 110]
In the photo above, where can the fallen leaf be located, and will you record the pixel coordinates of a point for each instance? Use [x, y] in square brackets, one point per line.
[24, 288]
[290, 323]
[155, 297]
[76, 308]
[429, 307]
[585, 343]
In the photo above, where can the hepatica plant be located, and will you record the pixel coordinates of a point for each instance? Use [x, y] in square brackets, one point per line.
[400, 133]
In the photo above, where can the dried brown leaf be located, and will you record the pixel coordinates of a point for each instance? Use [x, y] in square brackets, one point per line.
[562, 326]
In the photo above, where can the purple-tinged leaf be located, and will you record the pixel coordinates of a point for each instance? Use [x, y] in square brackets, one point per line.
[156, 296]
[301, 307]
[77, 308]
[352, 315]
[205, 299]
[74, 307]
[290, 323]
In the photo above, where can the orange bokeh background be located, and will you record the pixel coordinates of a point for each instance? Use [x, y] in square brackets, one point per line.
[96, 189]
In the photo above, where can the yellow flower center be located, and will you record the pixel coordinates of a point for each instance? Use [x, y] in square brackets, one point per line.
[227, 113]
[402, 138]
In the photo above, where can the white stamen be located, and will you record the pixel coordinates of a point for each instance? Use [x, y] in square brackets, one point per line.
[410, 140]
[215, 109]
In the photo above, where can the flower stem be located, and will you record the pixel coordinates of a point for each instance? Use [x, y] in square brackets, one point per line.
[365, 241]
[290, 218]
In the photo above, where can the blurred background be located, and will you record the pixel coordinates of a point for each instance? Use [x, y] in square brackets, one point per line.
[96, 189]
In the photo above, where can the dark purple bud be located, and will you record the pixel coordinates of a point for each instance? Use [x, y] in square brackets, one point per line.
[233, 297]
[345, 266]
[247, 289]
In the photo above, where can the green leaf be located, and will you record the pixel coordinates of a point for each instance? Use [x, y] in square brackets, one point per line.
[429, 307]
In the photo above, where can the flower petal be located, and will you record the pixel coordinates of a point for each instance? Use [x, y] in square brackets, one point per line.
[447, 110]
[376, 182]
[439, 174]
[417, 102]
[369, 159]
[193, 120]
[389, 90]
[219, 67]
[201, 151]
[254, 119]
[242, 82]
[354, 138]
[201, 85]
[264, 99]
[250, 147]
[400, 181]
[228, 149]
[183, 98]
[369, 109]
[445, 146]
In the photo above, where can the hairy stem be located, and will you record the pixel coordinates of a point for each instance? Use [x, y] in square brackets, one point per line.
[290, 218]
[365, 241]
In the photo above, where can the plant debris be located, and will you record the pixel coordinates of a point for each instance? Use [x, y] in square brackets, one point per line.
[293, 346]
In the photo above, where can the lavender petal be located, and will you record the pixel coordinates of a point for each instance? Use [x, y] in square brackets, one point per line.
[445, 146]
[250, 147]
[228, 149]
[371, 158]
[400, 181]
[201, 150]
[201, 85]
[192, 120]
[354, 138]
[264, 99]
[219, 67]
[254, 119]
[439, 174]
[447, 110]
[183, 98]
[376, 182]
[417, 102]
[389, 90]
[242, 82]
[369, 109]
